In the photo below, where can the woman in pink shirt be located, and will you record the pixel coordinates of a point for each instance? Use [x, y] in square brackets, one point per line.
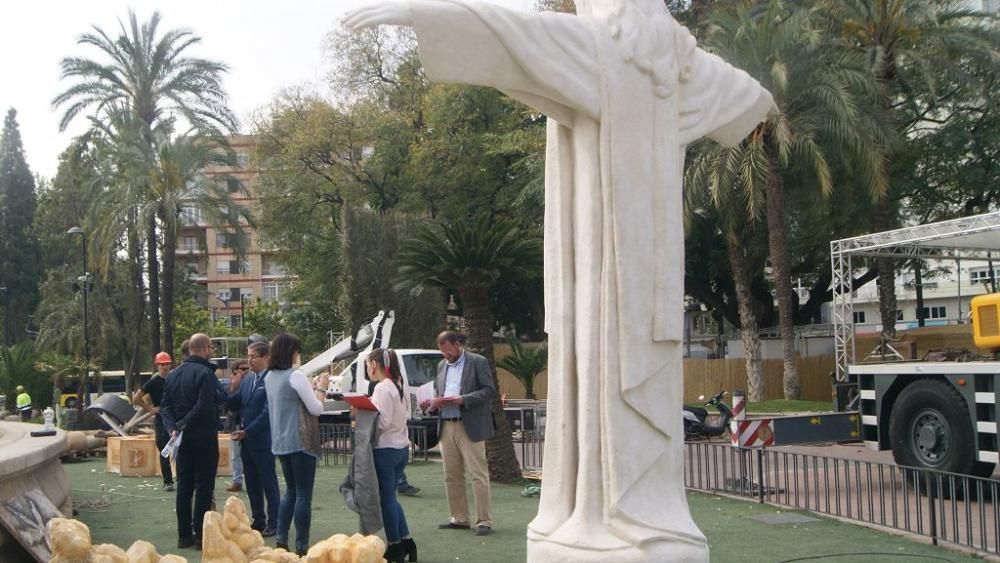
[392, 450]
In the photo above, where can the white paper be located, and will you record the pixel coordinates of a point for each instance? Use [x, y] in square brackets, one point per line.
[425, 392]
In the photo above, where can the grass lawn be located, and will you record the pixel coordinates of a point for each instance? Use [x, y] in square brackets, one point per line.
[781, 406]
[121, 510]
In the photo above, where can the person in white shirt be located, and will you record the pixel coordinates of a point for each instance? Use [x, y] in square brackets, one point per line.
[392, 450]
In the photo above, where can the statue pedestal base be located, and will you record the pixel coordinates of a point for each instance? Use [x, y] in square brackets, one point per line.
[588, 548]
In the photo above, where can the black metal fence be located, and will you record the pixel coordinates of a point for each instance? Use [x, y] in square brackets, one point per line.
[947, 507]
[337, 442]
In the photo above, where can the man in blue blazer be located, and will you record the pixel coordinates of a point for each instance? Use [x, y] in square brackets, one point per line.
[254, 434]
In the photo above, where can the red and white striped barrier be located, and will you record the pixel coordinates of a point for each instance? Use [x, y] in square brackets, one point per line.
[739, 405]
[757, 433]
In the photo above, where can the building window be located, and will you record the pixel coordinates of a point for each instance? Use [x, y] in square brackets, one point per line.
[980, 275]
[271, 267]
[189, 244]
[936, 312]
[242, 160]
[191, 215]
[859, 317]
[275, 290]
[899, 314]
[221, 240]
[224, 266]
[224, 295]
[234, 321]
[232, 185]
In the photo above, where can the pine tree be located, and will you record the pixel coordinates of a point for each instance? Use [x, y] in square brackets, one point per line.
[19, 256]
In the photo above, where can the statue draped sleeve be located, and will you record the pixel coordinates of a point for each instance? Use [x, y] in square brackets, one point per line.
[720, 102]
[545, 60]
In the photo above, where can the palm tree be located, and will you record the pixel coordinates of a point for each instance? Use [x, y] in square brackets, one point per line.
[525, 363]
[910, 45]
[150, 77]
[824, 112]
[725, 194]
[471, 257]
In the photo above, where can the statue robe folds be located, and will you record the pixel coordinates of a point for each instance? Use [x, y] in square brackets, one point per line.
[614, 257]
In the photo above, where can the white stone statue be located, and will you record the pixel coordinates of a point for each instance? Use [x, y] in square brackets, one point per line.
[625, 90]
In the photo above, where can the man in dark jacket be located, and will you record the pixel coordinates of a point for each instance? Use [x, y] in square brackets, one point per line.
[254, 434]
[189, 409]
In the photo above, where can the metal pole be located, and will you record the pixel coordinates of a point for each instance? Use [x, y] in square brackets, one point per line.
[86, 328]
[6, 316]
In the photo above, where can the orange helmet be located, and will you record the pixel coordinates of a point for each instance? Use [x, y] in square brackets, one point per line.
[163, 358]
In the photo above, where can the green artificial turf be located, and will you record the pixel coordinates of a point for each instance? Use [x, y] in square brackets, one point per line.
[121, 510]
[783, 406]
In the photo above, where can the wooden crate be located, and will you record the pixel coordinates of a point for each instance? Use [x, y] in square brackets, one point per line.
[225, 464]
[139, 457]
[114, 454]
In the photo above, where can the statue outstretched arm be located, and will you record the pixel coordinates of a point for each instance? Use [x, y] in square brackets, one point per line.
[381, 13]
[546, 60]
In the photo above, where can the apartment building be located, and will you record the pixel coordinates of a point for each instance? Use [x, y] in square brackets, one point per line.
[227, 284]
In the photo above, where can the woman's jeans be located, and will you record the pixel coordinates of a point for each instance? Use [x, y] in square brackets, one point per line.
[389, 464]
[299, 469]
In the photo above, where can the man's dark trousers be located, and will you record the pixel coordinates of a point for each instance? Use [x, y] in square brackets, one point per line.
[261, 482]
[197, 465]
[162, 437]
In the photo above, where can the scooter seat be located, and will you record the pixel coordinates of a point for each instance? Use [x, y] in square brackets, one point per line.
[697, 411]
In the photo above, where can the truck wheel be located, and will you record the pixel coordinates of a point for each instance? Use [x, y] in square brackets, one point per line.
[930, 428]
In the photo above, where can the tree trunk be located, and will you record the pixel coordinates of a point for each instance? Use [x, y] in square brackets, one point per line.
[169, 262]
[882, 221]
[153, 265]
[138, 308]
[749, 331]
[500, 456]
[778, 249]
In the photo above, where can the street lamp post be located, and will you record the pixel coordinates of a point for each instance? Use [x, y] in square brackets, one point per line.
[85, 287]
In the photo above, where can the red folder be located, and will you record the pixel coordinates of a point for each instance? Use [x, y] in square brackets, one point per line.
[359, 401]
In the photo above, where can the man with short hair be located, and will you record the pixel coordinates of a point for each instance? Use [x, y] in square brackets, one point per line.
[150, 397]
[190, 408]
[463, 391]
[253, 433]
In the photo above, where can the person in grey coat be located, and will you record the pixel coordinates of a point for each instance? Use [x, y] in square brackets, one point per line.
[463, 391]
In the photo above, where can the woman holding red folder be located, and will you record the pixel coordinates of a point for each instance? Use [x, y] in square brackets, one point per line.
[392, 449]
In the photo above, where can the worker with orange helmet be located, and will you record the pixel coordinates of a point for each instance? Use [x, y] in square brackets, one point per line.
[149, 398]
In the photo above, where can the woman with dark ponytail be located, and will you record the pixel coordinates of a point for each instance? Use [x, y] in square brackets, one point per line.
[392, 450]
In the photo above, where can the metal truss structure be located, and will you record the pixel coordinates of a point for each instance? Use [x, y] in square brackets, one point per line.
[968, 238]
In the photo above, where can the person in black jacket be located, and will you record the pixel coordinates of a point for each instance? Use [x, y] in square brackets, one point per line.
[189, 409]
[254, 434]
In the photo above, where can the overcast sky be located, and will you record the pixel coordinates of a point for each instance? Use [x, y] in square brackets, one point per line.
[268, 44]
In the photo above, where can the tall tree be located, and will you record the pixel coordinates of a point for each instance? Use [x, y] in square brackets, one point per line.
[149, 77]
[825, 114]
[909, 46]
[471, 256]
[19, 255]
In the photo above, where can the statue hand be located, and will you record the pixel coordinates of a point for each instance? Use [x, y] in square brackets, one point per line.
[384, 13]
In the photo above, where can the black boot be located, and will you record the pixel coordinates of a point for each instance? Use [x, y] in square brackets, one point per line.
[409, 549]
[395, 553]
